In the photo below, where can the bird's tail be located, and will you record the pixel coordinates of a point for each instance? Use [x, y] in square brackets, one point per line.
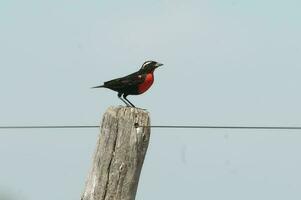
[100, 86]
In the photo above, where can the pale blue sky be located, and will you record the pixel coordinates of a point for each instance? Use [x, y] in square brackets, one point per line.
[226, 63]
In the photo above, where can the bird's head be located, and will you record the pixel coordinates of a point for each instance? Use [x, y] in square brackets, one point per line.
[149, 66]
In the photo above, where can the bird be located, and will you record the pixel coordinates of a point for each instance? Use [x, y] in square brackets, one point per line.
[133, 84]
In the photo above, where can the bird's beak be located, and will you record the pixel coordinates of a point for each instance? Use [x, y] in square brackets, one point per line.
[158, 65]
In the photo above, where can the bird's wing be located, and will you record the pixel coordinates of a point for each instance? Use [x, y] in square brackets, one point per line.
[127, 81]
[133, 79]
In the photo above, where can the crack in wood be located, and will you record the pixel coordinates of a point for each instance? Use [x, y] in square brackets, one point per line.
[119, 156]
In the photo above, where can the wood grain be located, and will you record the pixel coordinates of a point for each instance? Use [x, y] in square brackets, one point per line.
[119, 155]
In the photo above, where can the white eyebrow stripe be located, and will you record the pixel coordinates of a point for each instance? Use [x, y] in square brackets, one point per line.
[147, 63]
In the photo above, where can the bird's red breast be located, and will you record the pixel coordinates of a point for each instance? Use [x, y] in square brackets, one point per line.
[148, 81]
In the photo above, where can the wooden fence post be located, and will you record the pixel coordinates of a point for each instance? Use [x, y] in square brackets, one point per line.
[119, 155]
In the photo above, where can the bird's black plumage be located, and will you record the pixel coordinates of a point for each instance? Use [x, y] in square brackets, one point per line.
[133, 84]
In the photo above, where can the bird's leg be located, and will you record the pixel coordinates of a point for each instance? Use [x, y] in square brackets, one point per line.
[126, 103]
[124, 96]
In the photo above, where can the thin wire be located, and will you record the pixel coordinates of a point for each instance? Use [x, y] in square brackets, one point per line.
[159, 126]
[47, 127]
[230, 127]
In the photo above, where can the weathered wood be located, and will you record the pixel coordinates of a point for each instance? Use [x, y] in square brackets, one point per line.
[119, 155]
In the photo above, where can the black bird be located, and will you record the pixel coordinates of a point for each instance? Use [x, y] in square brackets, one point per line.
[133, 84]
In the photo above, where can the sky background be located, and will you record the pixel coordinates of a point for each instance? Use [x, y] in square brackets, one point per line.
[225, 63]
